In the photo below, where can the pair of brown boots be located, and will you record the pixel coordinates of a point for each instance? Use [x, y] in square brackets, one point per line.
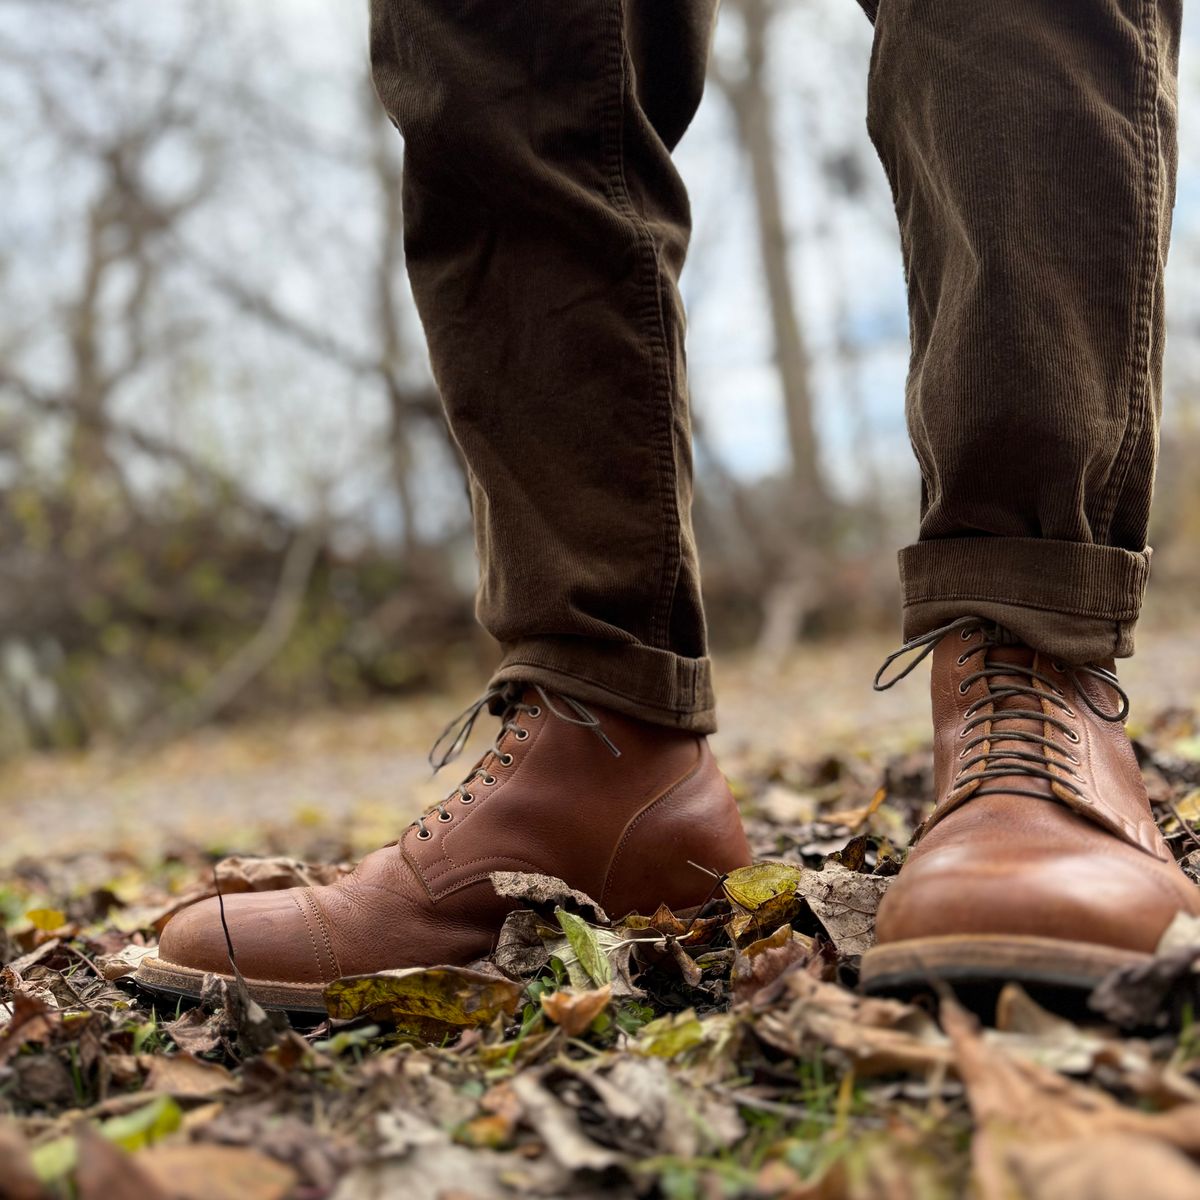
[1041, 861]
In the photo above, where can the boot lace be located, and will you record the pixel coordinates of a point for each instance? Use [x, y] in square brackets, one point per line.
[1011, 759]
[506, 700]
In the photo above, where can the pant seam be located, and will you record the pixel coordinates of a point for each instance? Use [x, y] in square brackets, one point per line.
[651, 324]
[1147, 263]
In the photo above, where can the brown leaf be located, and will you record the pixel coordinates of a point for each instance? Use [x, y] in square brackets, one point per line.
[248, 874]
[33, 1021]
[762, 962]
[1112, 1168]
[18, 1180]
[105, 1172]
[184, 1075]
[1016, 1102]
[124, 962]
[574, 1011]
[547, 891]
[43, 1081]
[195, 1031]
[522, 949]
[211, 1172]
[497, 1126]
[881, 1036]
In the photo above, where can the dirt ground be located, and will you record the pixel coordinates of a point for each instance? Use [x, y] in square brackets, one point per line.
[363, 774]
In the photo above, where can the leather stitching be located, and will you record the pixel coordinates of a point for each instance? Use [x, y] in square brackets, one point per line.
[319, 913]
[316, 949]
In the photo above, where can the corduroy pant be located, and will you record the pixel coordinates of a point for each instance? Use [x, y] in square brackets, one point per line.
[1030, 147]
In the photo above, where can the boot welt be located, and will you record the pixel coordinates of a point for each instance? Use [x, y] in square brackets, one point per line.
[168, 978]
[992, 959]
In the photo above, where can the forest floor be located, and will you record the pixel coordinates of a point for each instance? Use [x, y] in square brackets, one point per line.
[730, 1056]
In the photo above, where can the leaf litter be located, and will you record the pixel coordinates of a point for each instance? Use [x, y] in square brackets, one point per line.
[722, 1053]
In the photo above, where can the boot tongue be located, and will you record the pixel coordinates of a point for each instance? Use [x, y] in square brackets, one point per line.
[1004, 726]
[1020, 656]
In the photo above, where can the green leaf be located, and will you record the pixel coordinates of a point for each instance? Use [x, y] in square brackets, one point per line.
[670, 1035]
[132, 1131]
[144, 1126]
[584, 940]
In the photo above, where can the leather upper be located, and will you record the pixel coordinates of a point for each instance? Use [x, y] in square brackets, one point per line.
[1076, 856]
[620, 828]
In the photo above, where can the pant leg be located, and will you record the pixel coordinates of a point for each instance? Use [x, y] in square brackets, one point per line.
[545, 229]
[1030, 146]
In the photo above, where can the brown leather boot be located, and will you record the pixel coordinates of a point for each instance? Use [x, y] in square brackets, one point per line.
[1041, 861]
[615, 807]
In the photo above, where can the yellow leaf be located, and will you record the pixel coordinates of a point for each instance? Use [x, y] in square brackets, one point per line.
[1189, 807]
[47, 919]
[754, 886]
[427, 1001]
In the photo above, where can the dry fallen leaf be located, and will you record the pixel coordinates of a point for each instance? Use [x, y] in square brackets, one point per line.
[762, 962]
[1016, 1102]
[196, 1031]
[103, 1171]
[574, 1011]
[210, 1172]
[1115, 1167]
[426, 1001]
[124, 962]
[18, 1181]
[547, 891]
[878, 1035]
[184, 1075]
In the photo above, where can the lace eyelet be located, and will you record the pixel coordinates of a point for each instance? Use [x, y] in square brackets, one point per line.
[1068, 711]
[965, 752]
[962, 659]
[520, 734]
[445, 816]
[1072, 737]
[467, 798]
[1057, 667]
[506, 760]
[535, 712]
[963, 732]
[423, 835]
[489, 779]
[963, 690]
[966, 633]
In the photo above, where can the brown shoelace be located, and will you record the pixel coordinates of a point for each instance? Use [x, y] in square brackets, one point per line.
[1009, 760]
[454, 737]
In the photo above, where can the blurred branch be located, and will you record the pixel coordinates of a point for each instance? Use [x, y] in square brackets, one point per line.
[247, 663]
[419, 400]
[148, 443]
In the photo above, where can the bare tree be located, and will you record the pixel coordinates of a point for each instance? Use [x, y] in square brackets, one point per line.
[752, 103]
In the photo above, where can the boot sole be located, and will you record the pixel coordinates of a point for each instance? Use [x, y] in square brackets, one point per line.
[992, 960]
[170, 979]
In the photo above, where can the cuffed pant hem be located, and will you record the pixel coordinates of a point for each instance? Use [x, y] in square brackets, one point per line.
[1077, 602]
[638, 681]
